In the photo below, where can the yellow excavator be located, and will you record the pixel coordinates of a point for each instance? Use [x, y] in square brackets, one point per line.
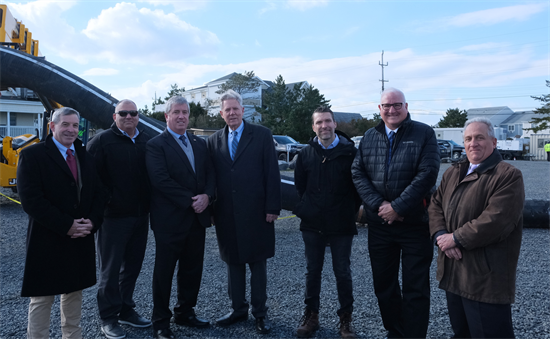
[15, 35]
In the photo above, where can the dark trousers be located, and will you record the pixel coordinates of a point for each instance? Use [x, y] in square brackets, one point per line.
[548, 156]
[340, 247]
[121, 244]
[258, 288]
[187, 250]
[405, 313]
[474, 319]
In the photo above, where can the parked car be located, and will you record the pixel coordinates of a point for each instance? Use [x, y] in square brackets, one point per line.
[281, 142]
[457, 150]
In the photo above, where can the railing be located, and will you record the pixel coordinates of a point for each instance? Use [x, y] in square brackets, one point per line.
[17, 130]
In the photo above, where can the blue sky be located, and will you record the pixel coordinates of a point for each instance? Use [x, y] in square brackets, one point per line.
[442, 54]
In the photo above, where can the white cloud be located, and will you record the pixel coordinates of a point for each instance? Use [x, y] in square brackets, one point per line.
[120, 34]
[100, 72]
[270, 6]
[185, 5]
[304, 5]
[496, 15]
[125, 33]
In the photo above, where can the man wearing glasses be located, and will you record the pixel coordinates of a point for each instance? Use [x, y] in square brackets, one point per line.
[119, 154]
[394, 171]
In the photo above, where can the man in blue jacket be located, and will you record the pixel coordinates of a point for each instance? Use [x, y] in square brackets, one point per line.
[328, 203]
[395, 169]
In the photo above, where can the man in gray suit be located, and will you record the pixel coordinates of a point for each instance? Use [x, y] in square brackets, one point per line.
[248, 202]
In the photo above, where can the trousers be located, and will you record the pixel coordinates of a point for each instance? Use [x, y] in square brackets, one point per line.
[39, 316]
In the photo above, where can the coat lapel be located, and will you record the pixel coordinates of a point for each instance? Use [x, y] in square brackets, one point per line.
[224, 146]
[246, 138]
[169, 139]
[53, 152]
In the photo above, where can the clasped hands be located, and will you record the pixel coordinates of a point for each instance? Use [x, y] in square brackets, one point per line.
[448, 246]
[386, 212]
[80, 228]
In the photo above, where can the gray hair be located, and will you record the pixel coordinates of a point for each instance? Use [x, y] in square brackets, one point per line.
[176, 100]
[393, 90]
[231, 94]
[58, 113]
[487, 122]
[123, 101]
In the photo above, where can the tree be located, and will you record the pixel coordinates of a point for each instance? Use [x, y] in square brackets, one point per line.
[357, 127]
[288, 111]
[174, 90]
[453, 118]
[241, 83]
[542, 122]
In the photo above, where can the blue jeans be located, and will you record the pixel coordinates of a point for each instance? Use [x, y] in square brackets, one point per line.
[340, 247]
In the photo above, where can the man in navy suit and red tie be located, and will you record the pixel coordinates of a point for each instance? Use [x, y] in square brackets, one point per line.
[183, 184]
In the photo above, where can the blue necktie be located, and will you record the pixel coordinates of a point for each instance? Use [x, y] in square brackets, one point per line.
[234, 145]
[391, 138]
[182, 138]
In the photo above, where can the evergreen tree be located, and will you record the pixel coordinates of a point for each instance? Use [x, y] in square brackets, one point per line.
[174, 90]
[453, 118]
[241, 83]
[542, 122]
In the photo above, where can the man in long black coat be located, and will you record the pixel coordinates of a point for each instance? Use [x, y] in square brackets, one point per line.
[183, 184]
[61, 193]
[248, 201]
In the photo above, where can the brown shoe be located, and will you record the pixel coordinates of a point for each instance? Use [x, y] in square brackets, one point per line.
[308, 324]
[345, 326]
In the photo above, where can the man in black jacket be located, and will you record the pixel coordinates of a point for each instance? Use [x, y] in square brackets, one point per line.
[119, 154]
[395, 168]
[328, 203]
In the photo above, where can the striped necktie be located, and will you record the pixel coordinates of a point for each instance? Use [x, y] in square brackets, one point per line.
[182, 138]
[234, 145]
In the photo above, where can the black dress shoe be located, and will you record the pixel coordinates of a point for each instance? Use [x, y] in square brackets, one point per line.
[165, 333]
[231, 318]
[191, 321]
[263, 326]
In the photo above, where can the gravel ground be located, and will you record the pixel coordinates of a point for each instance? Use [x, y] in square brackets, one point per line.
[531, 312]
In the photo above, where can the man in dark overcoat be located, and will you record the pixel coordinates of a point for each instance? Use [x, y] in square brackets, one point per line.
[61, 193]
[183, 184]
[248, 201]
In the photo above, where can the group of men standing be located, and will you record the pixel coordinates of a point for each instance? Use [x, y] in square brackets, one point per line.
[184, 184]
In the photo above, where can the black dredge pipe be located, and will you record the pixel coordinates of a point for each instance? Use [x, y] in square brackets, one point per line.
[536, 213]
[18, 69]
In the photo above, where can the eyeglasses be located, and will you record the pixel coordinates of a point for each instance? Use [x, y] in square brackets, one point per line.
[397, 105]
[125, 113]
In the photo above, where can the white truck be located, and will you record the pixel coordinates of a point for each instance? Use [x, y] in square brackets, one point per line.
[511, 149]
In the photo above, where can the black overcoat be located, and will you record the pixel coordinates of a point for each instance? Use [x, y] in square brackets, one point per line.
[55, 263]
[247, 189]
[174, 182]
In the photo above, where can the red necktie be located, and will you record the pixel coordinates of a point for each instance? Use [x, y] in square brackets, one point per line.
[71, 161]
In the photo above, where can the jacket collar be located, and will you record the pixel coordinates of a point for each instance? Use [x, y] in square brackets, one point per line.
[381, 127]
[487, 164]
[117, 131]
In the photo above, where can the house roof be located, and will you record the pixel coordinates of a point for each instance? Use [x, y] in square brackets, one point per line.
[346, 117]
[496, 114]
[520, 117]
[225, 77]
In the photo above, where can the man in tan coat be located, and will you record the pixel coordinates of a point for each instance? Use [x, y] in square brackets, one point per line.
[476, 218]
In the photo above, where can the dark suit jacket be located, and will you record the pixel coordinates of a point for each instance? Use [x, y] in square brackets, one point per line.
[174, 182]
[55, 263]
[248, 188]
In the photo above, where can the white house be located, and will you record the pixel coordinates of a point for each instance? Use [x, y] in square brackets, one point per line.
[20, 112]
[206, 95]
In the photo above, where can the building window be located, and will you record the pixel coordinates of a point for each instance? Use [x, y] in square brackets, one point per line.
[13, 119]
[203, 94]
[511, 128]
